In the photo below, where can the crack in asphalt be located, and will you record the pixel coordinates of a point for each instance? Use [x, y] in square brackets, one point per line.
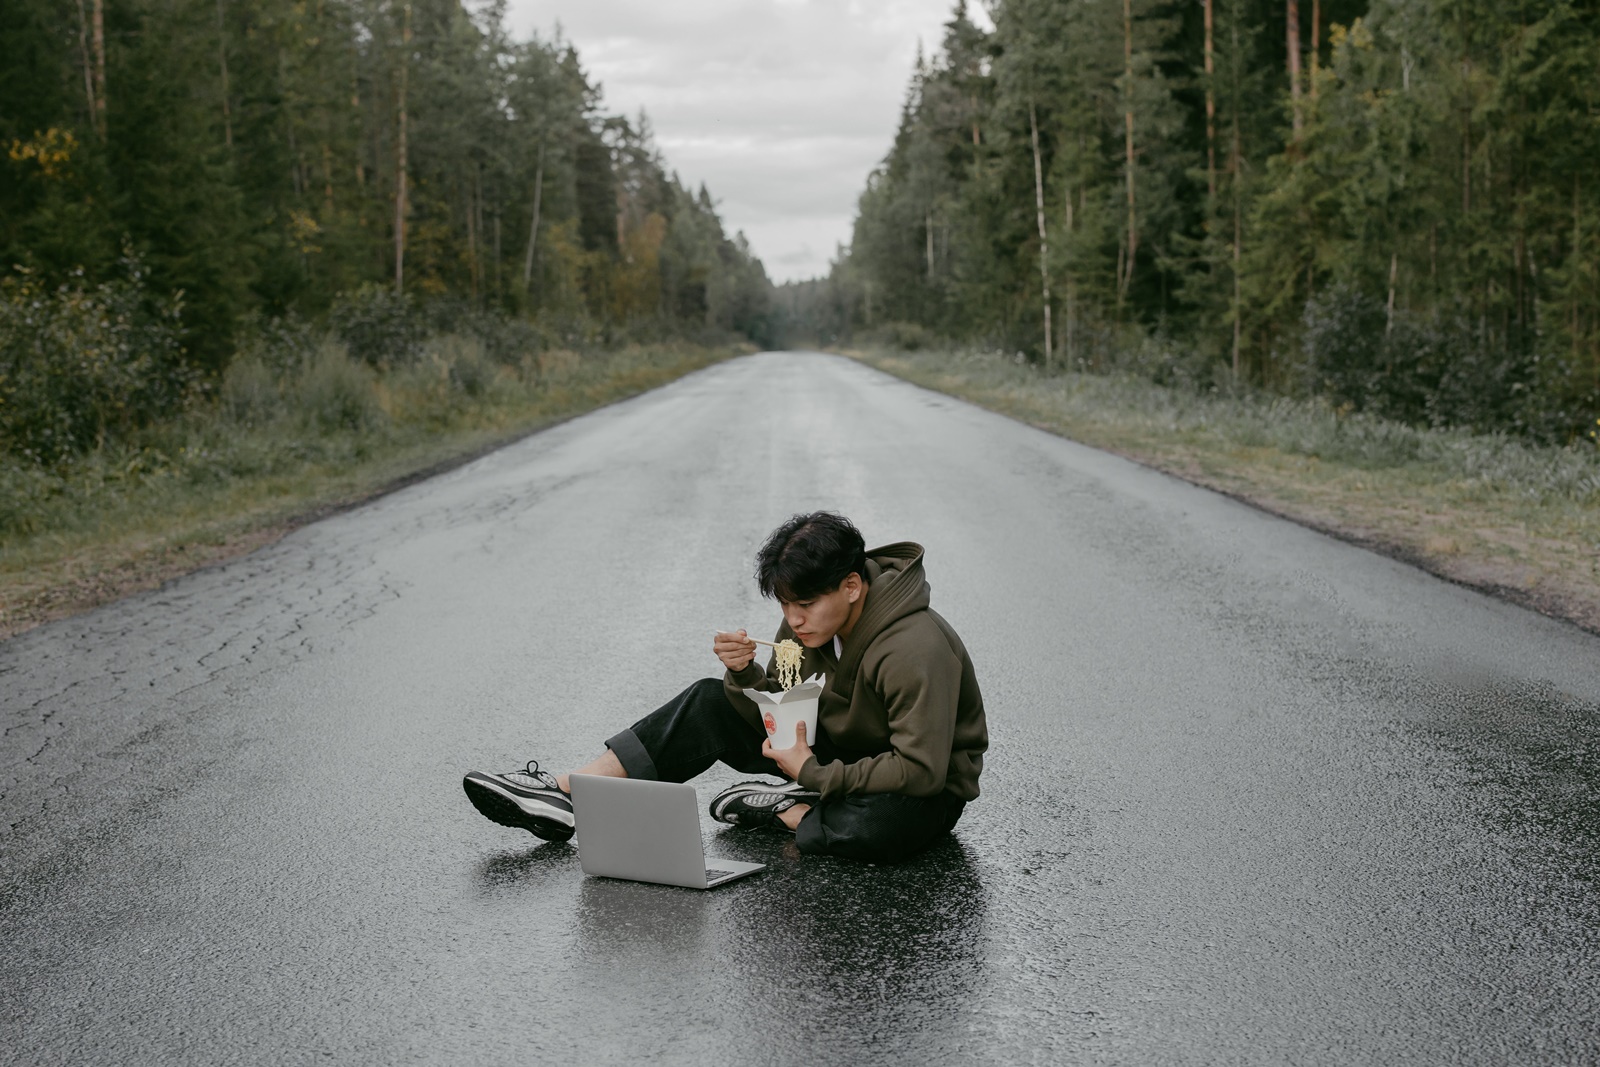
[160, 653]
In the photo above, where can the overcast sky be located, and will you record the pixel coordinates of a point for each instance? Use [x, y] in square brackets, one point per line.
[780, 107]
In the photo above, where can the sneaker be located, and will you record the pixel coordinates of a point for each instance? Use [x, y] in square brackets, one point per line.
[758, 803]
[526, 800]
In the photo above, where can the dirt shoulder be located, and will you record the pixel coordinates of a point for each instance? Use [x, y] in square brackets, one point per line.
[1540, 553]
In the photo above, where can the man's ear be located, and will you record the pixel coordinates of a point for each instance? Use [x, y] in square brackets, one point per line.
[852, 586]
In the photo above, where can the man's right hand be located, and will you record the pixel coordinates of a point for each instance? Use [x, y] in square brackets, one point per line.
[736, 651]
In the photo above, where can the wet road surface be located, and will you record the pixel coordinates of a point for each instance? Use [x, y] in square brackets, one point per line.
[1254, 796]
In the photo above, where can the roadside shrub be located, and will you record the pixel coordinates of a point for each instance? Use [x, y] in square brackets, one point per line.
[336, 392]
[259, 382]
[1309, 426]
[512, 342]
[1434, 371]
[1344, 357]
[378, 326]
[249, 394]
[24, 487]
[463, 364]
[1159, 358]
[503, 339]
[907, 336]
[282, 344]
[82, 365]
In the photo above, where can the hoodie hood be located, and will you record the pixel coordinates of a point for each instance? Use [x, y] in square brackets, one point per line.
[896, 587]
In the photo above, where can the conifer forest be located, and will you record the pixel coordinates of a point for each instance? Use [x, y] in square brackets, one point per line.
[183, 177]
[1386, 204]
[1389, 204]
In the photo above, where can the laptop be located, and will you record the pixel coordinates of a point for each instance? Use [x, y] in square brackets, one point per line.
[646, 832]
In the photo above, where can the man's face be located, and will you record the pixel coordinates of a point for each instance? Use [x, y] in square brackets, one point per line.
[815, 621]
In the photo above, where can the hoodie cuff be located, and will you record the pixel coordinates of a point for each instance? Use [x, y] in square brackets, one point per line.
[811, 775]
[750, 677]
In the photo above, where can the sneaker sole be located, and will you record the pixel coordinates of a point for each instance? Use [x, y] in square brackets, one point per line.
[498, 806]
[720, 802]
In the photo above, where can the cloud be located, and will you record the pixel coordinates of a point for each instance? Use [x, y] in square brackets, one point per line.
[802, 255]
[781, 107]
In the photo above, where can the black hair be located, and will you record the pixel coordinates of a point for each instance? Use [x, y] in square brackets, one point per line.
[810, 555]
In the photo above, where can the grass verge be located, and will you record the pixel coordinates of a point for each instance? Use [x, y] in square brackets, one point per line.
[1519, 521]
[278, 450]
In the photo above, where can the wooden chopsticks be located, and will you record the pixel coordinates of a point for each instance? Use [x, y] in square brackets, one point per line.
[757, 640]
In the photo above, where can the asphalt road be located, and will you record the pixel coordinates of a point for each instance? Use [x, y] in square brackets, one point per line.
[1254, 795]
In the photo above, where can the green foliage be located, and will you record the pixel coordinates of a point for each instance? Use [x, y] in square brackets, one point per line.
[80, 363]
[1415, 234]
[1438, 372]
[250, 395]
[335, 392]
[378, 326]
[250, 154]
[902, 336]
[289, 422]
[1310, 426]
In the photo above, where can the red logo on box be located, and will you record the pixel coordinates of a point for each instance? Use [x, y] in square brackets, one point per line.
[770, 723]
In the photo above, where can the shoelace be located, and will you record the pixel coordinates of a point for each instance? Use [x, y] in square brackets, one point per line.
[544, 778]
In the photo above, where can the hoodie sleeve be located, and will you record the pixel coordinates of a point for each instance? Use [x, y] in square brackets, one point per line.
[753, 676]
[920, 684]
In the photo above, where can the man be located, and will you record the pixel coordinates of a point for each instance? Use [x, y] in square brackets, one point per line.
[900, 724]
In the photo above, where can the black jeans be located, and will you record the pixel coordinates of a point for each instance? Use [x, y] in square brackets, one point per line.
[698, 727]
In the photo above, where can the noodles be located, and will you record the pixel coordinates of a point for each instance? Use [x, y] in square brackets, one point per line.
[786, 660]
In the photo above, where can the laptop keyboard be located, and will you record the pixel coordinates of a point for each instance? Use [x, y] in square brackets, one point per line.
[712, 874]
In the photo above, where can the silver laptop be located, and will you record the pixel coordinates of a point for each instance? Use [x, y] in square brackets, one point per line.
[646, 832]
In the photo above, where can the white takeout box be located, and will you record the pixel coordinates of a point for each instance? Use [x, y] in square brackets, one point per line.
[781, 711]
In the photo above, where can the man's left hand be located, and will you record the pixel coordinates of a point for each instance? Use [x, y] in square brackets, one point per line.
[791, 759]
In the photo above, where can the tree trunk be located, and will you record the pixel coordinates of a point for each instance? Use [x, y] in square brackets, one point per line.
[472, 244]
[1394, 274]
[100, 67]
[88, 64]
[222, 58]
[927, 228]
[1235, 181]
[327, 181]
[355, 106]
[1072, 304]
[1466, 138]
[1238, 238]
[296, 162]
[1211, 105]
[533, 227]
[1044, 240]
[477, 199]
[1577, 254]
[1293, 30]
[1316, 43]
[1125, 279]
[400, 158]
[1122, 256]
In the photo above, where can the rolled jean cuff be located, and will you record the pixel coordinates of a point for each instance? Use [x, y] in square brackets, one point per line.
[631, 753]
[809, 836]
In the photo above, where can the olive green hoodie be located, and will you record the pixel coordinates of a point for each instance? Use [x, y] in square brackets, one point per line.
[901, 702]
